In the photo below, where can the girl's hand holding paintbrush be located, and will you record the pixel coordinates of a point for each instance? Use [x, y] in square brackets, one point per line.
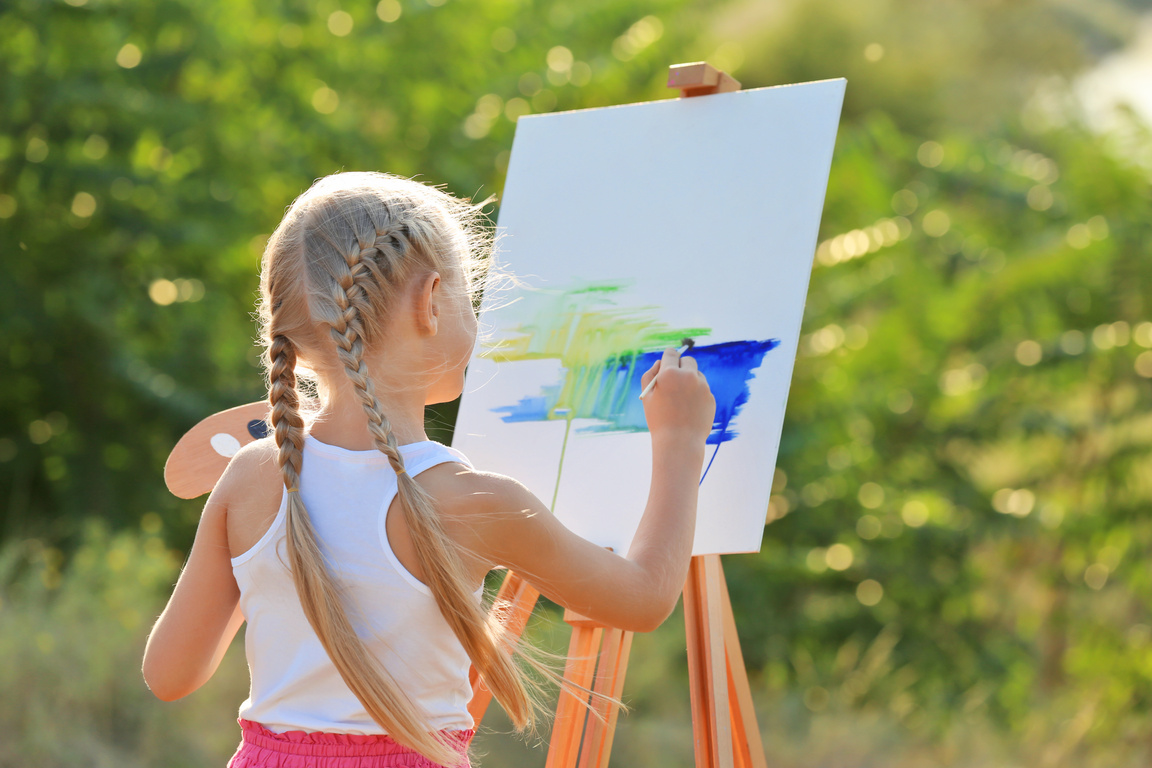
[677, 401]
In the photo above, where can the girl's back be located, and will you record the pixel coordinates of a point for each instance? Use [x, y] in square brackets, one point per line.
[294, 684]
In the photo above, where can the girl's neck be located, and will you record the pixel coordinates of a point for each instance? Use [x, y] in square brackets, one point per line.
[342, 421]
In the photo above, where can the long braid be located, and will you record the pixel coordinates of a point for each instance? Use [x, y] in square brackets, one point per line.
[479, 632]
[319, 596]
[285, 404]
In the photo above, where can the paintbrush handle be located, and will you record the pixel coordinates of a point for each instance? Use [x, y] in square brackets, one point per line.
[648, 388]
[652, 383]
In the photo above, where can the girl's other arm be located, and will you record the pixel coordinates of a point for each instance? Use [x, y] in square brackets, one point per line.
[197, 626]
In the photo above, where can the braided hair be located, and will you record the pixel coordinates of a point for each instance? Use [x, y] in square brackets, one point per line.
[331, 272]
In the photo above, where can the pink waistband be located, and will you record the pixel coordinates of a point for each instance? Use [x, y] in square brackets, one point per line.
[336, 746]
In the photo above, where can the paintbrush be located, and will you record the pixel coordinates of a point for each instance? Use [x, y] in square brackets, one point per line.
[685, 345]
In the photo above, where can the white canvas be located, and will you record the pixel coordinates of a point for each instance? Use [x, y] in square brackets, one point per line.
[679, 214]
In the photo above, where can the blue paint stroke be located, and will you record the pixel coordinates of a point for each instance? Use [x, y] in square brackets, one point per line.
[531, 408]
[612, 390]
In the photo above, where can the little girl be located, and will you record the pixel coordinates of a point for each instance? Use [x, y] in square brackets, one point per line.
[353, 546]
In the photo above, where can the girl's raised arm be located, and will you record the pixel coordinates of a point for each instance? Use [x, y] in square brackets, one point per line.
[635, 592]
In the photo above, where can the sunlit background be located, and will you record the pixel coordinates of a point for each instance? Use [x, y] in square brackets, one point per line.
[956, 570]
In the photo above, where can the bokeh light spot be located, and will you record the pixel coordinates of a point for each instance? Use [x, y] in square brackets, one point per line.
[1098, 227]
[1104, 336]
[1017, 502]
[388, 10]
[1040, 197]
[869, 592]
[1072, 342]
[1142, 334]
[325, 100]
[129, 56]
[904, 202]
[95, 147]
[936, 223]
[163, 292]
[839, 557]
[870, 495]
[868, 527]
[37, 150]
[559, 59]
[516, 108]
[1096, 576]
[1029, 352]
[83, 205]
[930, 154]
[39, 432]
[900, 401]
[1143, 364]
[340, 23]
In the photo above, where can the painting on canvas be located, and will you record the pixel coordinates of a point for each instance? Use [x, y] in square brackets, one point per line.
[629, 229]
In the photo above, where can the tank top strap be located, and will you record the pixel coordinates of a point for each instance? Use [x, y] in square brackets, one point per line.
[430, 454]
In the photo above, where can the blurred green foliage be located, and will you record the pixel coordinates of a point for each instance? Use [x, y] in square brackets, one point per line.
[73, 632]
[959, 528]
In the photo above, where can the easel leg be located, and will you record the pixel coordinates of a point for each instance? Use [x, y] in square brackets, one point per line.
[708, 664]
[749, 749]
[610, 672]
[564, 747]
[724, 725]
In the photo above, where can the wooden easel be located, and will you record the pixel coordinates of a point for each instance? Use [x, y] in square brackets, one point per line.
[726, 734]
[724, 726]
[723, 720]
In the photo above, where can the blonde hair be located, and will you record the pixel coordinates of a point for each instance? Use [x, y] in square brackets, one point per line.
[330, 273]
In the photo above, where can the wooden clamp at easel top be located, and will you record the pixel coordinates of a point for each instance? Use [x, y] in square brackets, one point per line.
[700, 79]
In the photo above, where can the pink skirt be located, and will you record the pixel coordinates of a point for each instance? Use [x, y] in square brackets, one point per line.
[261, 748]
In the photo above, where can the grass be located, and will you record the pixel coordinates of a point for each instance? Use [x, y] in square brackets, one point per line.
[71, 693]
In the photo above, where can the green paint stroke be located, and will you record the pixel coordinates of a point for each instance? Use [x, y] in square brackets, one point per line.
[589, 333]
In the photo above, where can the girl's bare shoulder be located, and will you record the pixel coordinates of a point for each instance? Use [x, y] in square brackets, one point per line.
[480, 509]
[249, 493]
[463, 492]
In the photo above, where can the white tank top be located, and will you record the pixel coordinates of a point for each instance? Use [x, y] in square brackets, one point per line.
[294, 684]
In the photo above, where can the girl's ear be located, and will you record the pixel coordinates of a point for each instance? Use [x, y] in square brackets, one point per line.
[428, 303]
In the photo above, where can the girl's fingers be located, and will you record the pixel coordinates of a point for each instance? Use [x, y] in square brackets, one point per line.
[688, 363]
